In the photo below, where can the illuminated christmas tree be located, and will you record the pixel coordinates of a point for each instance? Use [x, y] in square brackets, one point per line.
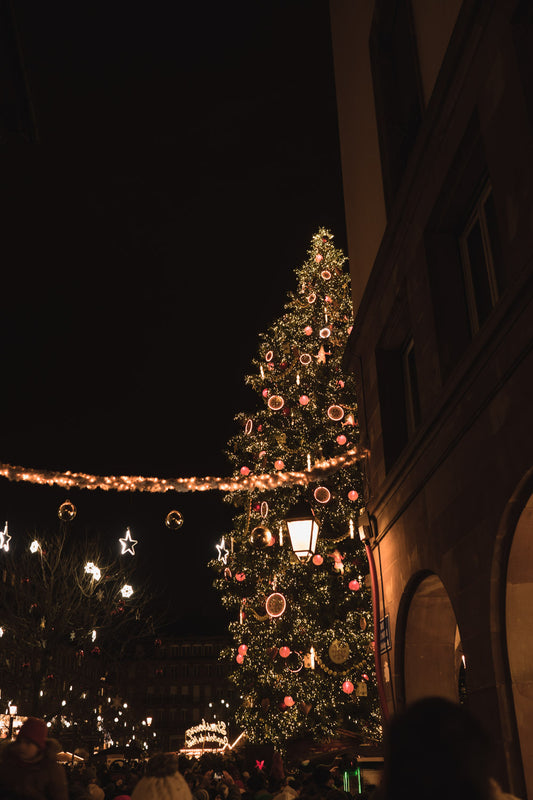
[302, 658]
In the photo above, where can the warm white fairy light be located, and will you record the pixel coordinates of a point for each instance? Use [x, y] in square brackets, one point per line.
[126, 590]
[137, 483]
[93, 636]
[35, 546]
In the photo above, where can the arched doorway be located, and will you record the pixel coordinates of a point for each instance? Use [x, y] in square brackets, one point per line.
[433, 660]
[519, 631]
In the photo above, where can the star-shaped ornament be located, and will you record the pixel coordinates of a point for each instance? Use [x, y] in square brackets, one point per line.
[128, 544]
[5, 538]
[321, 357]
[223, 552]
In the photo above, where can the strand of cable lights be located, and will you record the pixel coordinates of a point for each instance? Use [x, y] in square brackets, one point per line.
[137, 483]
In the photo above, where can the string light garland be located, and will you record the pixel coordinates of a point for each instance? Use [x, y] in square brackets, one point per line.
[137, 483]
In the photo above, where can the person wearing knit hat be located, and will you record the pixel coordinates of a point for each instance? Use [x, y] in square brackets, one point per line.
[162, 781]
[29, 766]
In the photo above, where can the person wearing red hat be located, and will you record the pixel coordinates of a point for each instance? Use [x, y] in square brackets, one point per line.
[29, 767]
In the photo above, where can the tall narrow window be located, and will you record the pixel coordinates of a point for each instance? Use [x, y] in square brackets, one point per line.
[410, 380]
[482, 262]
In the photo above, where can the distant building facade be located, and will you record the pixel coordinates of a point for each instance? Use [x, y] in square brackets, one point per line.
[178, 682]
[435, 104]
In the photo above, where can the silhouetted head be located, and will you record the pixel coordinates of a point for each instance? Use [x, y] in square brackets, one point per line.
[436, 750]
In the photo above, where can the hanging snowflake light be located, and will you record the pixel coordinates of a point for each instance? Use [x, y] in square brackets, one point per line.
[93, 570]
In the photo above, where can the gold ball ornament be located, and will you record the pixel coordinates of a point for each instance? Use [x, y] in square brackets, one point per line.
[261, 536]
[67, 511]
[339, 651]
[174, 520]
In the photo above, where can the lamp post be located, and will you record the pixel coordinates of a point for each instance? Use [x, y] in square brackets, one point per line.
[303, 530]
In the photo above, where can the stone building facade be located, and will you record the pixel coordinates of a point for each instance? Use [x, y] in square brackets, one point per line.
[435, 104]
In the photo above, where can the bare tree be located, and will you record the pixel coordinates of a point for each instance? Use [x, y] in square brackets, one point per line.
[69, 610]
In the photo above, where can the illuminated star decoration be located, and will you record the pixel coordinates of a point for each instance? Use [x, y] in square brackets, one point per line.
[5, 538]
[128, 544]
[223, 552]
[126, 590]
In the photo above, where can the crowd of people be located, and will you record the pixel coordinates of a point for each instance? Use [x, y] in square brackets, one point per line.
[434, 750]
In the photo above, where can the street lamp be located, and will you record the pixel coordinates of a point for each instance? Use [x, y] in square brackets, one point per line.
[303, 530]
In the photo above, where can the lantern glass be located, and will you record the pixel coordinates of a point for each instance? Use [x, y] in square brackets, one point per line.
[303, 530]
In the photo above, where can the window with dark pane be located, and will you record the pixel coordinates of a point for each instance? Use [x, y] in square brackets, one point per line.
[482, 261]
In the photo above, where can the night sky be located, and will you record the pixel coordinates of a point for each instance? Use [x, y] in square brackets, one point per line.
[186, 156]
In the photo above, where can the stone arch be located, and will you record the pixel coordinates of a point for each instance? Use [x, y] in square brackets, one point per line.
[512, 633]
[430, 653]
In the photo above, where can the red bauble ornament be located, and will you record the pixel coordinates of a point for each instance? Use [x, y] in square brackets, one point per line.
[354, 585]
[319, 257]
[308, 330]
[284, 651]
[245, 470]
[353, 495]
[341, 439]
[265, 394]
[318, 560]
[304, 400]
[341, 384]
[240, 576]
[243, 649]
[347, 687]
[239, 658]
[279, 464]
[288, 701]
